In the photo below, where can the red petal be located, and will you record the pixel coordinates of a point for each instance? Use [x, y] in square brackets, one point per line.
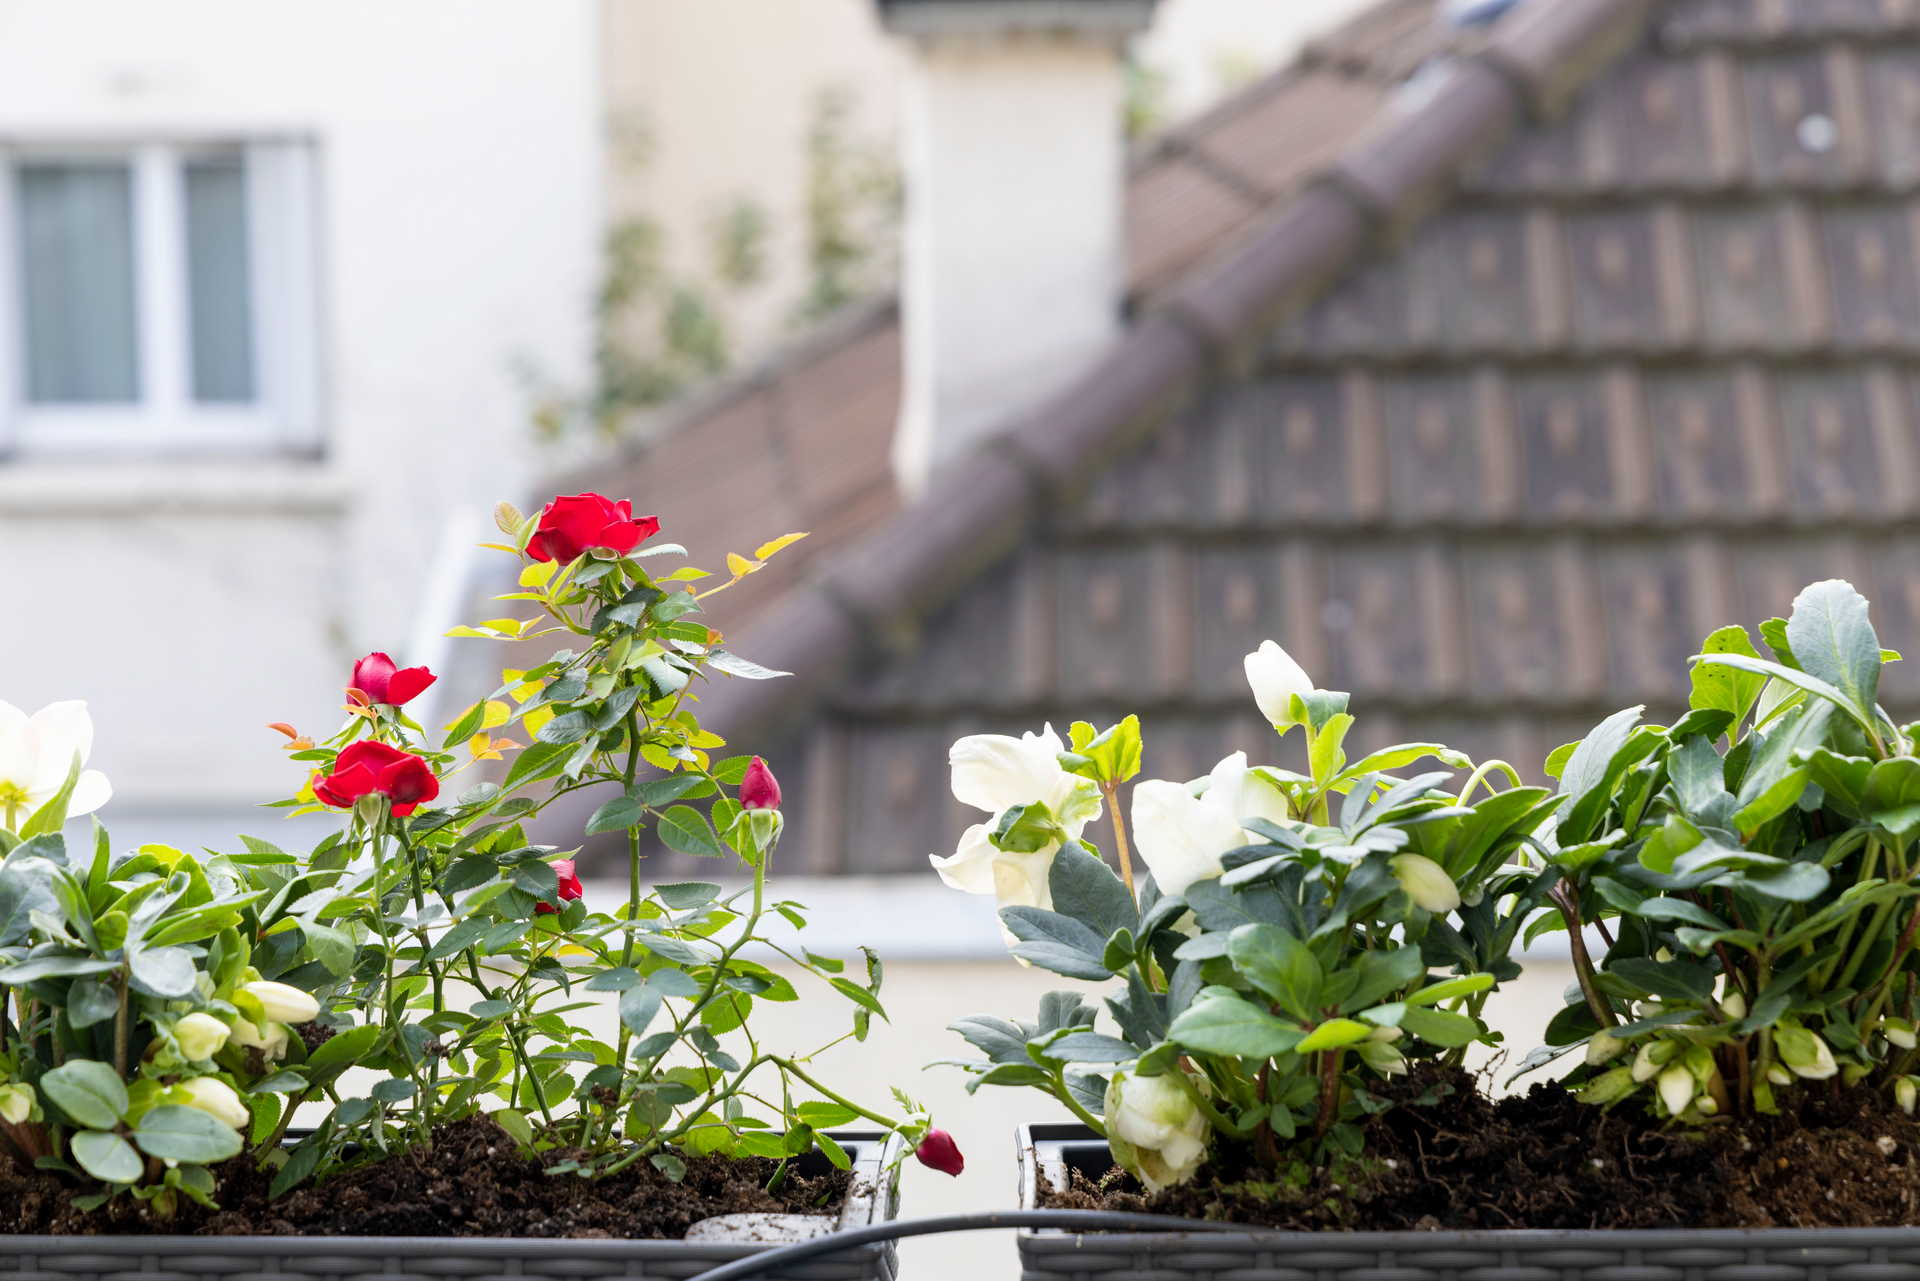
[407, 684]
[371, 676]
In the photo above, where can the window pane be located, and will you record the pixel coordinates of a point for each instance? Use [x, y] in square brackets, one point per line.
[219, 286]
[76, 252]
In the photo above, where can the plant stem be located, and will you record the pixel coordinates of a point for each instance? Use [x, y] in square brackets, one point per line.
[1111, 788]
[120, 1028]
[1563, 899]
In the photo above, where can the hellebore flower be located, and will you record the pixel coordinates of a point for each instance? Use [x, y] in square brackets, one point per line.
[1275, 678]
[37, 753]
[1905, 1093]
[217, 1099]
[570, 888]
[1154, 1129]
[576, 523]
[995, 773]
[270, 1040]
[282, 1002]
[938, 1151]
[1804, 1053]
[759, 789]
[16, 1103]
[1425, 882]
[1676, 1088]
[382, 682]
[368, 768]
[1182, 836]
[199, 1036]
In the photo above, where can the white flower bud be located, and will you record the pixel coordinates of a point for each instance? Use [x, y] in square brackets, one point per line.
[1734, 1006]
[1645, 1065]
[1805, 1054]
[1906, 1093]
[199, 1036]
[1899, 1033]
[1154, 1129]
[1603, 1046]
[1275, 678]
[1676, 1088]
[271, 1040]
[1779, 1075]
[1425, 882]
[283, 1004]
[16, 1103]
[1707, 1105]
[217, 1099]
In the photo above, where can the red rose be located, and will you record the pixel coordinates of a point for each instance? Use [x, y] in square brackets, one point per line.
[368, 768]
[940, 1152]
[377, 678]
[759, 789]
[569, 886]
[574, 523]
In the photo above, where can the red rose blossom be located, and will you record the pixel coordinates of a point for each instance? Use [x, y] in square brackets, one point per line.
[570, 888]
[377, 678]
[759, 789]
[575, 523]
[369, 768]
[940, 1152]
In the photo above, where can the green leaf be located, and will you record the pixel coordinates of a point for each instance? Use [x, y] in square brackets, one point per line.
[1440, 1027]
[1089, 1047]
[52, 816]
[1057, 942]
[1112, 755]
[1447, 989]
[1892, 796]
[617, 815]
[734, 665]
[682, 895]
[165, 972]
[1333, 1034]
[1832, 639]
[48, 967]
[1788, 676]
[1279, 964]
[175, 1133]
[344, 1049]
[1229, 1025]
[1773, 782]
[568, 727]
[1085, 888]
[106, 1156]
[1725, 688]
[685, 829]
[1593, 771]
[89, 1091]
[90, 1002]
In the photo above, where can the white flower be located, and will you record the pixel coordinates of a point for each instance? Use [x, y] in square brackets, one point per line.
[1645, 1065]
[199, 1036]
[1602, 1047]
[1425, 882]
[217, 1099]
[1804, 1053]
[36, 754]
[1904, 1093]
[1181, 836]
[282, 1002]
[16, 1103]
[1275, 678]
[1154, 1129]
[995, 773]
[1899, 1033]
[270, 1040]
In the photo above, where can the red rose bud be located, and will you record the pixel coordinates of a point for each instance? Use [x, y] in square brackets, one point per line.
[575, 523]
[940, 1152]
[377, 678]
[368, 768]
[570, 888]
[759, 789]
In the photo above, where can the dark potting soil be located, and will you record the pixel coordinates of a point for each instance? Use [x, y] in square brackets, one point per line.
[472, 1182]
[1847, 1158]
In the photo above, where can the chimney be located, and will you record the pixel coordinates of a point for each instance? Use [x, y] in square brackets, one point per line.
[1015, 163]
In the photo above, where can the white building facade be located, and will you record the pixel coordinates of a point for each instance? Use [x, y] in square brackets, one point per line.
[272, 275]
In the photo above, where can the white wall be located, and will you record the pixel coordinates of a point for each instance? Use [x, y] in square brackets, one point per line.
[458, 215]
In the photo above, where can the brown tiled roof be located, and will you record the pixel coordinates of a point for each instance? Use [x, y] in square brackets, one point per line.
[1514, 393]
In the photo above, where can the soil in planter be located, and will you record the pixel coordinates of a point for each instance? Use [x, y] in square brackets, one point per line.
[472, 1182]
[1849, 1158]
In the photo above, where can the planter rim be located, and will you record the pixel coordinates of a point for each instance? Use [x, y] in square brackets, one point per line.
[1031, 1137]
[874, 1199]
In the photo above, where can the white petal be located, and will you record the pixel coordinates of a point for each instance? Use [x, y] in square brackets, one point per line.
[1020, 880]
[16, 746]
[970, 867]
[994, 772]
[1180, 839]
[60, 732]
[90, 792]
[1274, 677]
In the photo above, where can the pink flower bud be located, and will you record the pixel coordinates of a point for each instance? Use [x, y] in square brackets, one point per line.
[382, 682]
[759, 790]
[940, 1152]
[569, 890]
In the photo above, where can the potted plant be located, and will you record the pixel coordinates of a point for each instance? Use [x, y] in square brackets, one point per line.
[409, 993]
[1294, 974]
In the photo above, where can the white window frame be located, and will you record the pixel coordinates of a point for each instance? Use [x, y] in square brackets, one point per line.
[284, 417]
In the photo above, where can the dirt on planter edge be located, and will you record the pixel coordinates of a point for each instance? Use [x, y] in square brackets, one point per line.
[1845, 1158]
[472, 1182]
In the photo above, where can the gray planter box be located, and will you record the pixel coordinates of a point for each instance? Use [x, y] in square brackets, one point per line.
[710, 1243]
[1718, 1254]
